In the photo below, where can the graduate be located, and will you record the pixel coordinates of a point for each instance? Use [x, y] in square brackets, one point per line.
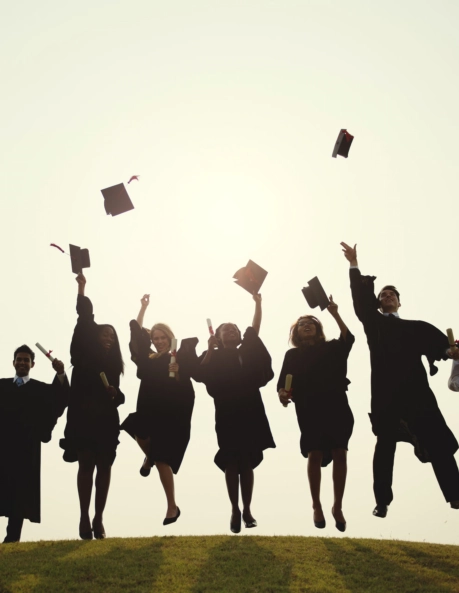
[29, 410]
[162, 423]
[92, 430]
[403, 407]
[233, 370]
[318, 368]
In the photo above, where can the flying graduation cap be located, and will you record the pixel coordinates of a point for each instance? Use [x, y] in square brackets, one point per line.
[79, 259]
[343, 144]
[315, 295]
[117, 200]
[251, 277]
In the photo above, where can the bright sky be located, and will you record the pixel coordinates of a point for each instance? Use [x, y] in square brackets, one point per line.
[228, 111]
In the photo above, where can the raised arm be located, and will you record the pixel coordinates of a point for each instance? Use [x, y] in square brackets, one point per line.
[256, 323]
[212, 345]
[144, 302]
[333, 310]
[362, 288]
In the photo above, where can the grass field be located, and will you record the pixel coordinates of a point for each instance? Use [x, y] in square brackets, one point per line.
[228, 564]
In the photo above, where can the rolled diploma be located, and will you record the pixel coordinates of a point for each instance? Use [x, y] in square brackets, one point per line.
[104, 380]
[288, 382]
[209, 325]
[45, 352]
[173, 354]
[449, 333]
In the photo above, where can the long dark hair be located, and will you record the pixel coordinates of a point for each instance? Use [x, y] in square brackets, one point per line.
[114, 354]
[294, 338]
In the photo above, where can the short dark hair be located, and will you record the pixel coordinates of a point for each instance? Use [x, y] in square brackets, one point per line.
[389, 287]
[24, 348]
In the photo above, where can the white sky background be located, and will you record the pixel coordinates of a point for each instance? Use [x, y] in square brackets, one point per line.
[229, 112]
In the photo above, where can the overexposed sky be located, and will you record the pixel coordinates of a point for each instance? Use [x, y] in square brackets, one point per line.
[229, 112]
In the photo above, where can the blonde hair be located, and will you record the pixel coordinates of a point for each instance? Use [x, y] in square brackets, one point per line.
[166, 330]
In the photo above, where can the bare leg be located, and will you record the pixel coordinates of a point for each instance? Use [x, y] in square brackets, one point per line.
[86, 464]
[167, 480]
[314, 476]
[144, 444]
[247, 480]
[104, 471]
[232, 484]
[339, 482]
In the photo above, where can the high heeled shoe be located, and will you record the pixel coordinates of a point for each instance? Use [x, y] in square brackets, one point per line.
[145, 469]
[169, 520]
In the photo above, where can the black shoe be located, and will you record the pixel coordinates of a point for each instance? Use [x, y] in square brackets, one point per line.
[86, 534]
[380, 510]
[145, 470]
[168, 521]
[235, 525]
[340, 526]
[319, 524]
[98, 534]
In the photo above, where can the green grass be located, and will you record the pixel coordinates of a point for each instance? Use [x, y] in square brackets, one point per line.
[229, 564]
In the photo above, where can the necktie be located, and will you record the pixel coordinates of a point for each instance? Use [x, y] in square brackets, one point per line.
[19, 381]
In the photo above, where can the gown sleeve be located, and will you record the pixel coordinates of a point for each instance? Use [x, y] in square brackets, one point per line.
[434, 345]
[286, 369]
[363, 296]
[257, 359]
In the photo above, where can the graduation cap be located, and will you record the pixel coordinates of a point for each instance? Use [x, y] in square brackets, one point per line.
[251, 277]
[343, 144]
[315, 294]
[117, 200]
[79, 259]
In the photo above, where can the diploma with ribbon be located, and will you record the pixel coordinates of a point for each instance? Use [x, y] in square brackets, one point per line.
[173, 355]
[47, 353]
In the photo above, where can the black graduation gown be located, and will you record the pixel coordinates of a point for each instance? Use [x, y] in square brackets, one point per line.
[165, 404]
[233, 378]
[319, 393]
[92, 418]
[402, 403]
[28, 415]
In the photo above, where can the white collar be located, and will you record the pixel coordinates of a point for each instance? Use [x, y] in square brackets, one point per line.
[24, 379]
[395, 314]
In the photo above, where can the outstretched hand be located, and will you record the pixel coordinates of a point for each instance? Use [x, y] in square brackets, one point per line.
[350, 253]
[81, 280]
[332, 307]
[145, 301]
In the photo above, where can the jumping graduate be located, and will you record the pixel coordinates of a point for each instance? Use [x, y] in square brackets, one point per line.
[29, 410]
[92, 430]
[162, 423]
[403, 407]
[319, 369]
[233, 370]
